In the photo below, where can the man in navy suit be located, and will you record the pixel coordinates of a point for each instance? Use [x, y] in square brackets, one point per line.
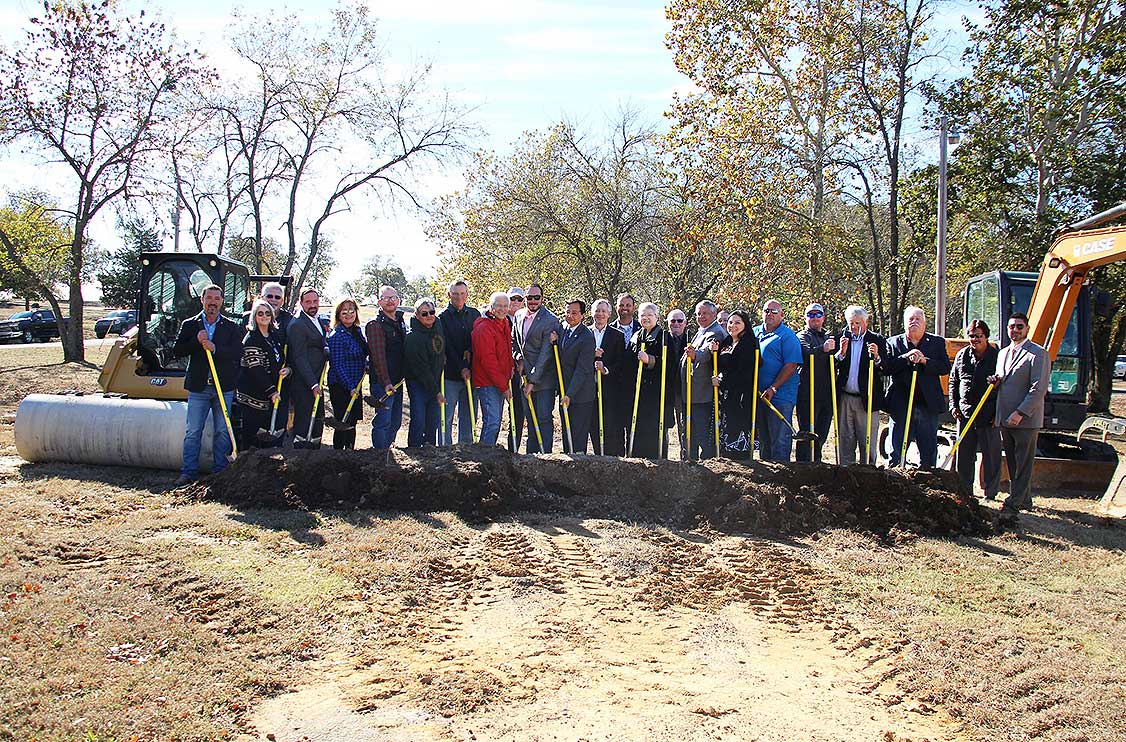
[576, 361]
[915, 353]
[210, 331]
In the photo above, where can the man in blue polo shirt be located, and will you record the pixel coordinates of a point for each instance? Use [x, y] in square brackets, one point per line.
[777, 382]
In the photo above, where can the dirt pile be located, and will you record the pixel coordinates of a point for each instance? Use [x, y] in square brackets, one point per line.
[482, 482]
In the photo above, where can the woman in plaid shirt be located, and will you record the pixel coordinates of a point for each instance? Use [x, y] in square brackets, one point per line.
[348, 362]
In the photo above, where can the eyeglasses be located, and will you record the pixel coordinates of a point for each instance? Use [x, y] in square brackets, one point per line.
[678, 321]
[272, 296]
[423, 313]
[263, 314]
[814, 315]
[535, 297]
[772, 311]
[977, 337]
[516, 298]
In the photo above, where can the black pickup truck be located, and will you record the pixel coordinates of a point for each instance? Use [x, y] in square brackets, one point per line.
[27, 327]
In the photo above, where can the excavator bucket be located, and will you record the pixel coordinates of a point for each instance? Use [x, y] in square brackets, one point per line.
[1113, 502]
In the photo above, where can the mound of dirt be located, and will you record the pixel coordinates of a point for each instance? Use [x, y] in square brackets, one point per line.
[488, 482]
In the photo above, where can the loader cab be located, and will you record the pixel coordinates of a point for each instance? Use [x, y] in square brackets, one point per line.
[994, 296]
[171, 284]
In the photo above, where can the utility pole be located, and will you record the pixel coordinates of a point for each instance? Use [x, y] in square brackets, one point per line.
[945, 137]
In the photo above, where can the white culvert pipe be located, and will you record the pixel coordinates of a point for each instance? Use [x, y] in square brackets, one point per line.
[94, 429]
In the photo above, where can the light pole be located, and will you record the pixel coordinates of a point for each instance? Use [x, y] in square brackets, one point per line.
[945, 137]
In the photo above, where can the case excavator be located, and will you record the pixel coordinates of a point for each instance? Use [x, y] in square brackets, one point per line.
[138, 418]
[1060, 305]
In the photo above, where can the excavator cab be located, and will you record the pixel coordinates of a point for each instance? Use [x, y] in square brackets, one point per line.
[994, 296]
[142, 364]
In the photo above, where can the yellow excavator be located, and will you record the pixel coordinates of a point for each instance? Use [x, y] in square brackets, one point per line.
[138, 419]
[1060, 305]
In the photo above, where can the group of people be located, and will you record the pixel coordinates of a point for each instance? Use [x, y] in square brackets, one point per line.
[616, 386]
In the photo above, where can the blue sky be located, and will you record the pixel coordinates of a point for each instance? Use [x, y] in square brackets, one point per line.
[519, 65]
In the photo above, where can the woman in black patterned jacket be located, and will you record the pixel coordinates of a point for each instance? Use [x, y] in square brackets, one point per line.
[736, 386]
[262, 362]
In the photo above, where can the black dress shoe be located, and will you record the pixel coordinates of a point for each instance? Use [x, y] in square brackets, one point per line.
[183, 481]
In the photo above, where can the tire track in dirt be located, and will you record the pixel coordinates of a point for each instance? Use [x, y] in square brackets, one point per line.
[529, 632]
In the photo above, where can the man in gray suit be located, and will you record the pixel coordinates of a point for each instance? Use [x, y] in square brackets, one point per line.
[702, 445]
[307, 355]
[1023, 374]
[576, 360]
[534, 356]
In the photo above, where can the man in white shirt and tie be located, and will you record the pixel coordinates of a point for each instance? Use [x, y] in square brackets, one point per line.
[307, 355]
[1023, 374]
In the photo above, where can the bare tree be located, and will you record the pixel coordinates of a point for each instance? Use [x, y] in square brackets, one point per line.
[91, 88]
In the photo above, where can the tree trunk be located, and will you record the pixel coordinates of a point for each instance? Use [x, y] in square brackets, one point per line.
[74, 349]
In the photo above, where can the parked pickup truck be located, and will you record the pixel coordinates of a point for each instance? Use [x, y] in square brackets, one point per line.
[27, 327]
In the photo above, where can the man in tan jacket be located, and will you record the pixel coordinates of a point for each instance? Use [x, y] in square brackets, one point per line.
[1023, 374]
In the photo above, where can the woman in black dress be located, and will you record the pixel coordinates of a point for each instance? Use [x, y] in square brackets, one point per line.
[736, 386]
[652, 338]
[262, 362]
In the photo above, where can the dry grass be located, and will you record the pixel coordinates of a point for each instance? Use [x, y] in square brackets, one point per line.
[129, 612]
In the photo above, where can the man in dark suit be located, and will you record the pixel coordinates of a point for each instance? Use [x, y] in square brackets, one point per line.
[1024, 371]
[855, 351]
[213, 332]
[915, 353]
[576, 362]
[534, 325]
[609, 359]
[677, 324]
[308, 353]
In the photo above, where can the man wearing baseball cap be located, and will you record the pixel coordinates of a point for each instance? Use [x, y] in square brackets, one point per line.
[816, 347]
[515, 303]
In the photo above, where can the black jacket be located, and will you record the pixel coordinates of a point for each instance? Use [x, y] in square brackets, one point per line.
[617, 377]
[844, 364]
[457, 327]
[737, 368]
[928, 387]
[228, 353]
[968, 382]
[811, 344]
[260, 364]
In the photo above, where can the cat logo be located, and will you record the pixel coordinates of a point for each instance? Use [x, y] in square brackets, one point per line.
[158, 381]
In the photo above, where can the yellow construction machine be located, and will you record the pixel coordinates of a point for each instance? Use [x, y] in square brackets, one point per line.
[138, 419]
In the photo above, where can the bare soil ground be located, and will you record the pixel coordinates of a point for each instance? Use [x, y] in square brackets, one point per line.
[134, 612]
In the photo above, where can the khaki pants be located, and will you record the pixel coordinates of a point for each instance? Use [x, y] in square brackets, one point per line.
[852, 415]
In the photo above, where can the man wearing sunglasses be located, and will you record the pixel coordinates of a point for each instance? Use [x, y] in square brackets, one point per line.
[515, 304]
[1023, 374]
[816, 347]
[969, 378]
[534, 326]
[678, 340]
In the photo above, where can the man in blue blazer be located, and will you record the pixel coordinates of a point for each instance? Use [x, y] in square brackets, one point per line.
[915, 352]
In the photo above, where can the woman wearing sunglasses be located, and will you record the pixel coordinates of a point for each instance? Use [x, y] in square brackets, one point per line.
[424, 358]
[262, 363]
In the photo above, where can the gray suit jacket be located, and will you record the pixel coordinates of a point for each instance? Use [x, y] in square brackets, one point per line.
[1025, 376]
[576, 358]
[535, 347]
[702, 371]
[307, 353]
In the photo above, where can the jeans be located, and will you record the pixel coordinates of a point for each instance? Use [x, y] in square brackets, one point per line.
[457, 399]
[774, 437]
[544, 401]
[387, 421]
[200, 405]
[425, 416]
[924, 431]
[491, 402]
[823, 420]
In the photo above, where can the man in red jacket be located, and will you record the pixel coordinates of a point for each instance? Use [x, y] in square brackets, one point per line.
[492, 365]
